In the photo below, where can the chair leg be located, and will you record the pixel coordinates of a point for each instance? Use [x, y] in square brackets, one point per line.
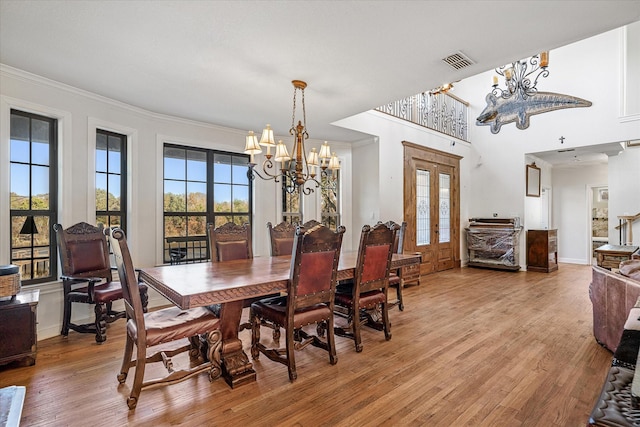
[66, 317]
[291, 358]
[255, 334]
[356, 328]
[385, 321]
[101, 322]
[126, 360]
[399, 294]
[331, 343]
[138, 378]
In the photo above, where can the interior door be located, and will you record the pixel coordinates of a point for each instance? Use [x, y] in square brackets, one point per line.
[432, 208]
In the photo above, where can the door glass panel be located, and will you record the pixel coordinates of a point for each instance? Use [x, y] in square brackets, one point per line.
[445, 208]
[423, 217]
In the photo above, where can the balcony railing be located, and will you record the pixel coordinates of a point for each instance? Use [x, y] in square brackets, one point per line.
[442, 112]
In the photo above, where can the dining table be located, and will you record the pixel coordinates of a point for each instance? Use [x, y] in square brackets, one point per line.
[229, 283]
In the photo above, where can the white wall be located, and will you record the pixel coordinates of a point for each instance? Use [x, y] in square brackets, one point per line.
[624, 191]
[79, 113]
[571, 209]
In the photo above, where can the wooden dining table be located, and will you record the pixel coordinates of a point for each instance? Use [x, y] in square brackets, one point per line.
[229, 283]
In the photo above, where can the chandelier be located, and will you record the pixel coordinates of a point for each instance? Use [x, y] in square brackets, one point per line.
[299, 169]
[521, 77]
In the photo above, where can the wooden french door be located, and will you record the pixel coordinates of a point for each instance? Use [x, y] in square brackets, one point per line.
[432, 207]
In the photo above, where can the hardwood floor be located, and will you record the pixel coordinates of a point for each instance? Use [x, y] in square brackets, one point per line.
[473, 347]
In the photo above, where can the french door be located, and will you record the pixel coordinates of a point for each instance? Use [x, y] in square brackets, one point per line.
[432, 207]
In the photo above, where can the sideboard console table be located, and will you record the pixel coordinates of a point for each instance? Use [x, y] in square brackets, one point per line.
[494, 243]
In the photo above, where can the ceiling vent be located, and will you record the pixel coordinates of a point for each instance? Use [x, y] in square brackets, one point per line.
[458, 61]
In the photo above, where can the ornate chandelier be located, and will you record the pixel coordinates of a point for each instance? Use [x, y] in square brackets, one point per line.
[299, 169]
[519, 77]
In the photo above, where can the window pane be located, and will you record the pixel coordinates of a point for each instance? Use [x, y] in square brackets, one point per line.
[175, 226]
[240, 199]
[115, 158]
[19, 130]
[197, 166]
[445, 208]
[101, 153]
[102, 219]
[241, 219]
[174, 163]
[114, 192]
[19, 150]
[221, 198]
[40, 153]
[115, 221]
[40, 187]
[174, 196]
[196, 197]
[101, 192]
[40, 131]
[423, 214]
[239, 170]
[222, 168]
[197, 225]
[19, 186]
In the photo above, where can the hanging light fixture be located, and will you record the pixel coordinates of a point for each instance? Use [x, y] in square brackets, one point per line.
[519, 77]
[295, 170]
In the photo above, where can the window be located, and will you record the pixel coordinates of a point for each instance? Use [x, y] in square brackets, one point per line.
[111, 179]
[201, 186]
[291, 206]
[33, 209]
[330, 193]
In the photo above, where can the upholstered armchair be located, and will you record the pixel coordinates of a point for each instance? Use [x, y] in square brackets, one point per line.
[87, 278]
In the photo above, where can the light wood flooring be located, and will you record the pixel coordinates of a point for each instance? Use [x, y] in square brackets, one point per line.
[473, 347]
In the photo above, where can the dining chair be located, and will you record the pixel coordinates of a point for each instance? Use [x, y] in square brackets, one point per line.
[395, 276]
[309, 299]
[196, 330]
[281, 238]
[229, 242]
[363, 300]
[87, 278]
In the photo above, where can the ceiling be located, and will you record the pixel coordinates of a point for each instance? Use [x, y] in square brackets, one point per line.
[581, 156]
[231, 62]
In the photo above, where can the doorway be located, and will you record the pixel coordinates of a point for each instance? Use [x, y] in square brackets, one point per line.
[599, 219]
[432, 206]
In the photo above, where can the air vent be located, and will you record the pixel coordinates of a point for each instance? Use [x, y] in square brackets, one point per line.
[567, 150]
[458, 61]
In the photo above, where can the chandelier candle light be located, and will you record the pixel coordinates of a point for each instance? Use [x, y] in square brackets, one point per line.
[296, 170]
[518, 77]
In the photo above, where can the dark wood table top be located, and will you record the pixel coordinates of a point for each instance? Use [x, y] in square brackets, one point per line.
[200, 284]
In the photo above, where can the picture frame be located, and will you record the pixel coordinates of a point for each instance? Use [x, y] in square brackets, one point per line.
[603, 194]
[533, 180]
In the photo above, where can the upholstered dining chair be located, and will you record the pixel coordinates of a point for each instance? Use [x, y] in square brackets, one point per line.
[146, 331]
[367, 292]
[309, 299]
[231, 242]
[87, 278]
[281, 238]
[395, 276]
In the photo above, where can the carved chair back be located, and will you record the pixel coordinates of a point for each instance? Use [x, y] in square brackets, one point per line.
[83, 251]
[398, 245]
[281, 237]
[230, 242]
[128, 280]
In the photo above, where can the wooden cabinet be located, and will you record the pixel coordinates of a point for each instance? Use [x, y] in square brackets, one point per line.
[18, 328]
[542, 250]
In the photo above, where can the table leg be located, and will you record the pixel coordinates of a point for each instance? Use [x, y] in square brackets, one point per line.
[236, 367]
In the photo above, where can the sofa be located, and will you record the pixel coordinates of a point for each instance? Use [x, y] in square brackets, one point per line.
[613, 294]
